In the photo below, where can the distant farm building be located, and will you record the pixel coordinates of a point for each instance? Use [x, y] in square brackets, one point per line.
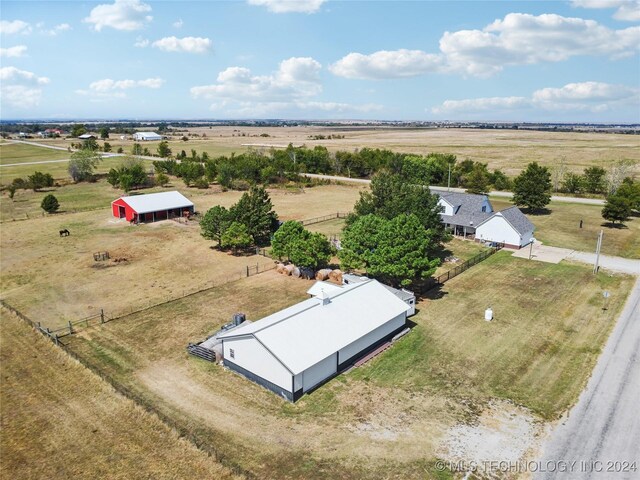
[152, 207]
[296, 349]
[86, 136]
[472, 216]
[147, 136]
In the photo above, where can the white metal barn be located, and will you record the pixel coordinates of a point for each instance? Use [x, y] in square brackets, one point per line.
[509, 226]
[302, 346]
[147, 136]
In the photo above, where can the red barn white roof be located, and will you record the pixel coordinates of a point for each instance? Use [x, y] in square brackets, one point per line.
[154, 202]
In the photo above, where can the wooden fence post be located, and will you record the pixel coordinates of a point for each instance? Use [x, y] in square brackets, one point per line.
[70, 328]
[247, 270]
[101, 315]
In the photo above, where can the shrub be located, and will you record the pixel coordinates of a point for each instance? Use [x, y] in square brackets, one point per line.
[50, 204]
[162, 179]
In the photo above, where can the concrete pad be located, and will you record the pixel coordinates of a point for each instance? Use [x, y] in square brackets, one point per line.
[543, 253]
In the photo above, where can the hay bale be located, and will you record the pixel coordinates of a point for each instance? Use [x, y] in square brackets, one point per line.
[280, 267]
[288, 269]
[295, 272]
[336, 276]
[323, 274]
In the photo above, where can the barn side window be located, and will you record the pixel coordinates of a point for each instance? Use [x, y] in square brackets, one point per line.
[232, 354]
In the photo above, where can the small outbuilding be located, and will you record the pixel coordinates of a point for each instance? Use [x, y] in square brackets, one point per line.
[297, 349]
[147, 136]
[152, 207]
[509, 226]
[87, 136]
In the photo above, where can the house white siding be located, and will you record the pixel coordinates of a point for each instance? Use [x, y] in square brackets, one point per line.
[372, 337]
[447, 209]
[497, 229]
[319, 372]
[249, 354]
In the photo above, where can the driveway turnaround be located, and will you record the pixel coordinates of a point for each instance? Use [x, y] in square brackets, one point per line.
[601, 434]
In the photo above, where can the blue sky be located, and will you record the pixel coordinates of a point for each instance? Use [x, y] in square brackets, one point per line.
[575, 60]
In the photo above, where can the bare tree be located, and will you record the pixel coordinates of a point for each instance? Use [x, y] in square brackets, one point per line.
[558, 173]
[617, 173]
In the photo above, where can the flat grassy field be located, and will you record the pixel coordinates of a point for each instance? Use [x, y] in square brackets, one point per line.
[387, 418]
[508, 150]
[561, 228]
[59, 421]
[54, 279]
[11, 153]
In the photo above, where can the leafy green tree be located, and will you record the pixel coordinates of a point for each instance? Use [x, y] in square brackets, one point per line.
[617, 209]
[106, 147]
[77, 130]
[190, 172]
[236, 236]
[214, 223]
[126, 181]
[595, 179]
[120, 150]
[478, 179]
[50, 204]
[532, 188]
[82, 165]
[163, 149]
[136, 149]
[104, 133]
[40, 180]
[255, 210]
[397, 253]
[391, 196]
[312, 250]
[128, 175]
[288, 232]
[90, 144]
[162, 179]
[210, 170]
[630, 190]
[572, 183]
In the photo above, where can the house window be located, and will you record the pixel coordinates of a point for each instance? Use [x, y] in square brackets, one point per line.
[232, 354]
[484, 208]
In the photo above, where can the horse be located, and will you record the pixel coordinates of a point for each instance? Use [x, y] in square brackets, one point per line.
[64, 233]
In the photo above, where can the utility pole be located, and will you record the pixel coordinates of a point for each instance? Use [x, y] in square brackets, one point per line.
[598, 247]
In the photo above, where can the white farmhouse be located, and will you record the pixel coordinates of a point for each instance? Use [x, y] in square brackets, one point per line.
[508, 226]
[147, 136]
[296, 349]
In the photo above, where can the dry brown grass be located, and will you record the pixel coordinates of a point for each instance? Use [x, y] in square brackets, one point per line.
[60, 421]
[55, 279]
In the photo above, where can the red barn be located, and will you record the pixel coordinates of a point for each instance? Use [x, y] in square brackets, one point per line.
[152, 207]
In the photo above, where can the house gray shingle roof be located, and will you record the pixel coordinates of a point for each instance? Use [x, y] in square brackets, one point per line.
[517, 219]
[467, 208]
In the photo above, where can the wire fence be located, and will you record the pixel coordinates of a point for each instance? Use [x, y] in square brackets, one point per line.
[324, 218]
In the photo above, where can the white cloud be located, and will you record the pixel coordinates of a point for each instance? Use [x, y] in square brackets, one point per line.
[107, 84]
[13, 52]
[186, 44]
[481, 104]
[13, 27]
[121, 15]
[20, 96]
[62, 27]
[178, 23]
[297, 77]
[13, 74]
[585, 96]
[628, 10]
[20, 88]
[141, 42]
[386, 64]
[518, 39]
[289, 6]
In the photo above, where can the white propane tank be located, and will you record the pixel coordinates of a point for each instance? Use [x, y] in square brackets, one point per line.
[488, 314]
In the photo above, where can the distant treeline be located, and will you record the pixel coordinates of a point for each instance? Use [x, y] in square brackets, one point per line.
[256, 167]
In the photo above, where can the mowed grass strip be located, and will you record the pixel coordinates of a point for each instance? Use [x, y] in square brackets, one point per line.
[539, 351]
[11, 153]
[560, 227]
[59, 421]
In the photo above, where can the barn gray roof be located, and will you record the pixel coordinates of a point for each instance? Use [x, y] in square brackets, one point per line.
[517, 219]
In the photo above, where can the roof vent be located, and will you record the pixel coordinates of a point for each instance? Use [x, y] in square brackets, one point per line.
[324, 297]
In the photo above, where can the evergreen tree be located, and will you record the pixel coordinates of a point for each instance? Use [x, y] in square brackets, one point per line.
[311, 250]
[617, 209]
[214, 223]
[236, 237]
[255, 211]
[532, 187]
[478, 179]
[50, 204]
[283, 238]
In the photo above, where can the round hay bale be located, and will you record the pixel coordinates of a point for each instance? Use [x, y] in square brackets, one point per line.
[307, 273]
[288, 269]
[323, 274]
[296, 272]
[336, 276]
[280, 267]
